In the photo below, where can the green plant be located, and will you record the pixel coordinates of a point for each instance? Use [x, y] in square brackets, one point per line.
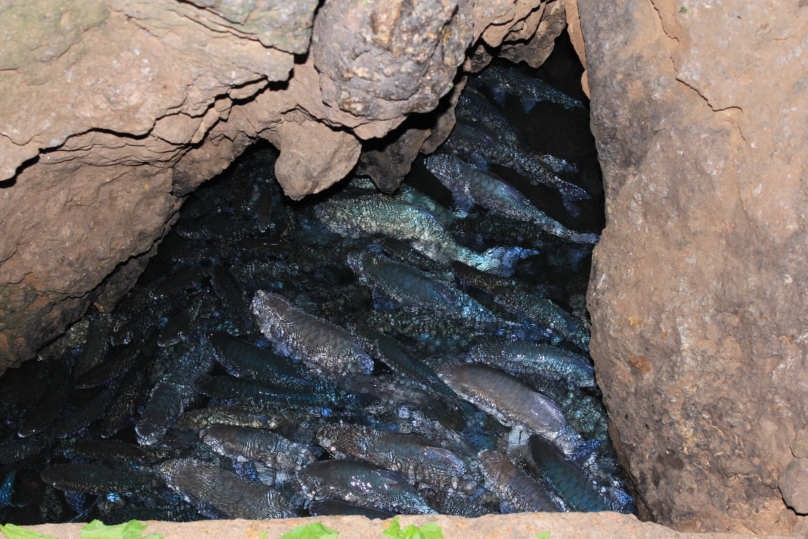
[128, 530]
[12, 531]
[311, 531]
[683, 9]
[543, 535]
[427, 531]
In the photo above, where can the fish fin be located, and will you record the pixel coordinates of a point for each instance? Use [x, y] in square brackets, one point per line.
[498, 93]
[584, 450]
[528, 103]
[572, 209]
[390, 477]
[479, 161]
[463, 201]
[501, 260]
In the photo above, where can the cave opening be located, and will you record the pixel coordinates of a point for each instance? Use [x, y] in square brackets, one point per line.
[120, 408]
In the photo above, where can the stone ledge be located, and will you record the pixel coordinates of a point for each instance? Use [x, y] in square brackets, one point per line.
[515, 526]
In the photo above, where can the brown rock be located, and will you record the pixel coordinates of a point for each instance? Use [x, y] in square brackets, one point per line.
[698, 289]
[799, 447]
[540, 44]
[794, 485]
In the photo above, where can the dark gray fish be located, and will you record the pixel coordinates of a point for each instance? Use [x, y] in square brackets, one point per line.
[178, 511]
[121, 361]
[45, 412]
[124, 404]
[94, 479]
[7, 490]
[369, 216]
[364, 484]
[15, 449]
[247, 444]
[530, 358]
[322, 346]
[206, 485]
[96, 345]
[511, 401]
[171, 395]
[567, 479]
[411, 455]
[87, 413]
[111, 450]
[403, 251]
[249, 392]
[517, 491]
[217, 228]
[416, 291]
[181, 324]
[232, 297]
[470, 186]
[234, 416]
[544, 313]
[504, 81]
[328, 507]
[175, 283]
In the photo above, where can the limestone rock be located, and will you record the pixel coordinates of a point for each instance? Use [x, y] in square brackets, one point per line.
[794, 485]
[698, 293]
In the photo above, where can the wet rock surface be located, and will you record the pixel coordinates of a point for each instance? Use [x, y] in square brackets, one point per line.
[698, 287]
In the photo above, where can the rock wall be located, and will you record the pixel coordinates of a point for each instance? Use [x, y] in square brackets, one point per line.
[114, 110]
[698, 292]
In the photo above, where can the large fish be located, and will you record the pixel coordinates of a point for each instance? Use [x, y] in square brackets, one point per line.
[503, 81]
[322, 346]
[206, 485]
[470, 186]
[362, 483]
[516, 490]
[367, 216]
[528, 358]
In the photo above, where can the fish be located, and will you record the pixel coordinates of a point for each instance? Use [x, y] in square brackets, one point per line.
[234, 416]
[230, 294]
[111, 450]
[528, 358]
[413, 456]
[245, 444]
[110, 369]
[470, 185]
[329, 507]
[567, 479]
[96, 345]
[87, 413]
[95, 479]
[530, 90]
[249, 392]
[414, 290]
[362, 483]
[372, 215]
[16, 449]
[181, 324]
[7, 491]
[45, 413]
[511, 401]
[124, 403]
[517, 491]
[321, 345]
[205, 485]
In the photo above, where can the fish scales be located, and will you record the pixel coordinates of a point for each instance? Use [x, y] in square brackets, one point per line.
[207, 485]
[96, 345]
[181, 324]
[544, 312]
[511, 401]
[362, 483]
[247, 444]
[404, 252]
[121, 361]
[249, 392]
[471, 185]
[569, 481]
[528, 358]
[328, 507]
[45, 412]
[87, 413]
[529, 90]
[415, 290]
[234, 416]
[519, 491]
[368, 216]
[124, 404]
[322, 346]
[410, 455]
[93, 478]
[15, 449]
[230, 294]
[111, 450]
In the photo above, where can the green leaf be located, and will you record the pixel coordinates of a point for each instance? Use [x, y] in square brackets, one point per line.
[543, 535]
[128, 530]
[12, 531]
[311, 531]
[427, 531]
[683, 9]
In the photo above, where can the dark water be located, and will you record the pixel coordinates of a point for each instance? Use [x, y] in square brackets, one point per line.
[238, 235]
